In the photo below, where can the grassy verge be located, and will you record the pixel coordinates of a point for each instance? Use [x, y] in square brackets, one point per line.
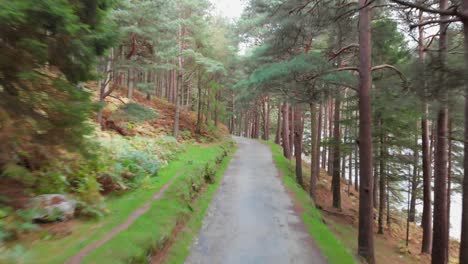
[150, 230]
[181, 248]
[330, 246]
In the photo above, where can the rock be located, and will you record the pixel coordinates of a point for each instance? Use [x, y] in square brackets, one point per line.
[52, 208]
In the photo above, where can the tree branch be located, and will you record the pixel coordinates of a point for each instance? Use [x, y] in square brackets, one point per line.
[338, 53]
[387, 66]
[413, 26]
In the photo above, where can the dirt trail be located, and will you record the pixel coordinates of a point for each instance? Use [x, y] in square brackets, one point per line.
[252, 218]
[76, 259]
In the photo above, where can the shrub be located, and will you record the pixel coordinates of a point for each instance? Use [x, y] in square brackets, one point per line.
[133, 113]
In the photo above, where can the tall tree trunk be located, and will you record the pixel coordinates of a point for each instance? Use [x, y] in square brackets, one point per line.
[179, 88]
[278, 126]
[366, 220]
[330, 136]
[376, 181]
[449, 183]
[350, 172]
[291, 128]
[318, 138]
[325, 134]
[319, 135]
[314, 158]
[266, 119]
[131, 82]
[426, 221]
[104, 86]
[356, 158]
[388, 204]
[464, 230]
[383, 179]
[414, 180]
[439, 236]
[336, 180]
[285, 134]
[200, 101]
[298, 132]
[410, 186]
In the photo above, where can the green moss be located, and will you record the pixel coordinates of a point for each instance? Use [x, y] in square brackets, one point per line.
[330, 246]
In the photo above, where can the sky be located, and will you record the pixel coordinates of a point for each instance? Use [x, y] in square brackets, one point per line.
[229, 8]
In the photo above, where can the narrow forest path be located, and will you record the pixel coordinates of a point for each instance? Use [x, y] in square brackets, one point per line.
[252, 218]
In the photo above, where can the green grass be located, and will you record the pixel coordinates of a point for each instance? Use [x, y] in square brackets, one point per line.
[149, 231]
[330, 246]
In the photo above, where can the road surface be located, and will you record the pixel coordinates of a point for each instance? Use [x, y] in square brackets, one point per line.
[251, 219]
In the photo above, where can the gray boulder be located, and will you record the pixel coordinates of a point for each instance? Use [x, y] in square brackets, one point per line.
[52, 208]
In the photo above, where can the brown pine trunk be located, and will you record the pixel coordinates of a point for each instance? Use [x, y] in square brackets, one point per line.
[464, 231]
[266, 120]
[319, 136]
[291, 128]
[285, 134]
[298, 132]
[388, 205]
[330, 136]
[314, 158]
[200, 100]
[449, 182]
[382, 182]
[318, 141]
[131, 83]
[426, 221]
[336, 179]
[414, 181]
[325, 134]
[278, 126]
[356, 157]
[366, 221]
[439, 236]
[179, 87]
[350, 172]
[440, 243]
[376, 181]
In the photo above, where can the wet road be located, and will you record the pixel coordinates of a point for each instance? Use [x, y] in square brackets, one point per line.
[251, 219]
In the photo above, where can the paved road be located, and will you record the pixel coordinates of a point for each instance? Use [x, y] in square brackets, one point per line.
[251, 219]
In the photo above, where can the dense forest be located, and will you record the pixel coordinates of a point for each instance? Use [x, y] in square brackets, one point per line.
[102, 100]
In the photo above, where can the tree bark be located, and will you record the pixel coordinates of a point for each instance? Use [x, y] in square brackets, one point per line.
[464, 230]
[278, 126]
[439, 236]
[426, 221]
[291, 128]
[324, 109]
[314, 160]
[285, 134]
[200, 101]
[330, 146]
[383, 179]
[298, 132]
[356, 156]
[319, 136]
[366, 222]
[336, 179]
[414, 181]
[131, 83]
